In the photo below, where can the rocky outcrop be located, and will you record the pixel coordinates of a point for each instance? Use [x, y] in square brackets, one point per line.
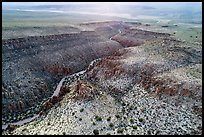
[137, 37]
[53, 100]
[81, 90]
[155, 70]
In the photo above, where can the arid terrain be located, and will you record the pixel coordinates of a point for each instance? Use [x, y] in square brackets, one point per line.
[102, 77]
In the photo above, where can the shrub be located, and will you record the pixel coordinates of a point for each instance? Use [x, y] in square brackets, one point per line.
[96, 132]
[98, 118]
[131, 120]
[123, 104]
[81, 110]
[111, 125]
[157, 132]
[149, 132]
[141, 119]
[134, 127]
[108, 119]
[120, 130]
[117, 116]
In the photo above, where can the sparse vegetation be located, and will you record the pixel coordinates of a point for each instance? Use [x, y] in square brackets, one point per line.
[98, 118]
[157, 71]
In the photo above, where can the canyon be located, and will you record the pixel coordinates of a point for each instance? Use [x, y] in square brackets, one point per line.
[138, 79]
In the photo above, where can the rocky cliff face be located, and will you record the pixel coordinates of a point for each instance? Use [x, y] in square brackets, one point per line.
[32, 66]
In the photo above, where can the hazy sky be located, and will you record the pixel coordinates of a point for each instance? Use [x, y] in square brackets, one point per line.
[64, 3]
[108, 3]
[113, 8]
